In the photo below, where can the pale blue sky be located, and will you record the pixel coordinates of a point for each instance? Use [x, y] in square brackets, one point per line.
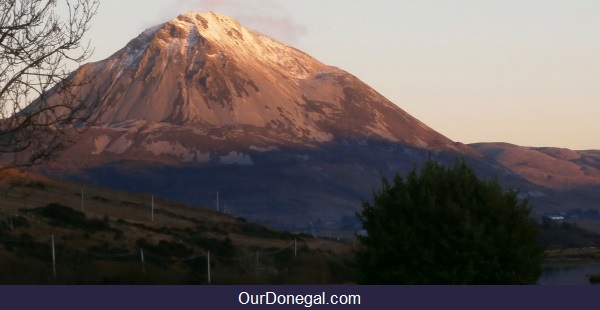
[519, 71]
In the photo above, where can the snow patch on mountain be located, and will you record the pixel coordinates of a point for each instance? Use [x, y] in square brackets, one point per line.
[235, 158]
[120, 146]
[175, 149]
[263, 149]
[100, 144]
[243, 44]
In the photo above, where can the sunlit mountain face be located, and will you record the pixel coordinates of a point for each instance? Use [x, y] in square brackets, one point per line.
[201, 104]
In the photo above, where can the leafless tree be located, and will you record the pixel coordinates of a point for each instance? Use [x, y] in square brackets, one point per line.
[41, 109]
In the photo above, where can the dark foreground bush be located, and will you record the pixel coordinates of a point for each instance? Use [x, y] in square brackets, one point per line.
[445, 226]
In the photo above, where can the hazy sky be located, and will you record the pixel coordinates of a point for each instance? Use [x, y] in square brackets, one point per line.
[519, 71]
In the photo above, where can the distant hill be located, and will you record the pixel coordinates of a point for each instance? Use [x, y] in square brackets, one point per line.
[555, 168]
[104, 244]
[567, 179]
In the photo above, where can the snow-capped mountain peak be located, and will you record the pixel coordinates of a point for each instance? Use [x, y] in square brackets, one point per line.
[221, 83]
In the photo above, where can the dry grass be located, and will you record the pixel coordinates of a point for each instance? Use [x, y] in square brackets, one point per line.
[191, 229]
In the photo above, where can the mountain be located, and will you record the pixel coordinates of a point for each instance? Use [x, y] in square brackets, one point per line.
[568, 179]
[201, 104]
[218, 81]
[555, 168]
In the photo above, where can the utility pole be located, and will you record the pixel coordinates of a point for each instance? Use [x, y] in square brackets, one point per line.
[208, 267]
[217, 201]
[53, 256]
[152, 208]
[143, 263]
[82, 208]
[330, 245]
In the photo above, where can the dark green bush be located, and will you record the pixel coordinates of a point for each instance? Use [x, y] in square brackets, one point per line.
[445, 226]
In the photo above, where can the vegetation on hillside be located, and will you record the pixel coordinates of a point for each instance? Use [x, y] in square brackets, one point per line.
[105, 244]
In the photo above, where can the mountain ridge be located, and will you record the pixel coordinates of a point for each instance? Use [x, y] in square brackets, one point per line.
[551, 167]
[200, 104]
[280, 92]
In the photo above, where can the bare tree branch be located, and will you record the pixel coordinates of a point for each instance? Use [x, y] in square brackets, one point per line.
[41, 109]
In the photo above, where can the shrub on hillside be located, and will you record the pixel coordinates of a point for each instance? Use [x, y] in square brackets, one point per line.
[60, 215]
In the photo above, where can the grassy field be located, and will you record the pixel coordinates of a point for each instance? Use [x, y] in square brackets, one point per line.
[100, 239]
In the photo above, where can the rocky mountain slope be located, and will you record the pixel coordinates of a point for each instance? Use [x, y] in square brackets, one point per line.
[210, 81]
[201, 104]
